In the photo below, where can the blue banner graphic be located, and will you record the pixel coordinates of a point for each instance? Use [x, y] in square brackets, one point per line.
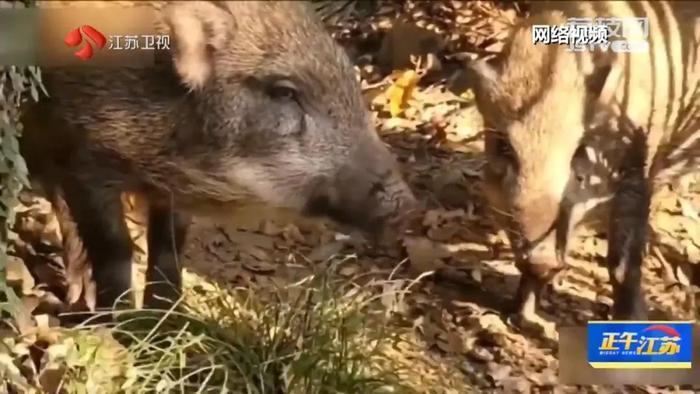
[636, 344]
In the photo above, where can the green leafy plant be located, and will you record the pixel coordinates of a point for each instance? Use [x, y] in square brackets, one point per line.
[17, 84]
[323, 334]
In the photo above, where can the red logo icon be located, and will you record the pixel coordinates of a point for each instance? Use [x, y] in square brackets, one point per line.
[663, 328]
[75, 37]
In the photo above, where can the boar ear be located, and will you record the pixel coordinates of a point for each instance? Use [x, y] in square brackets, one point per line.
[198, 28]
[601, 82]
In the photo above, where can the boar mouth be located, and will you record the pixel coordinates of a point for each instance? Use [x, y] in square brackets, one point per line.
[376, 203]
[541, 267]
[322, 206]
[545, 255]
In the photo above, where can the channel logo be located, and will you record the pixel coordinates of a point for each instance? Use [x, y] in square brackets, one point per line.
[75, 38]
[632, 345]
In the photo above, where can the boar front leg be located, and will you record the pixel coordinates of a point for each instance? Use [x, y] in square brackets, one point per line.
[538, 267]
[627, 233]
[166, 235]
[98, 212]
[527, 297]
[530, 289]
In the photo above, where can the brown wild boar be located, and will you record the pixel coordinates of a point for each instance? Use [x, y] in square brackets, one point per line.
[575, 134]
[255, 103]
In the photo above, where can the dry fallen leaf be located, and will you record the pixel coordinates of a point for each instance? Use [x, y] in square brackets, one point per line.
[481, 354]
[688, 209]
[259, 267]
[443, 234]
[692, 251]
[324, 252]
[51, 377]
[665, 222]
[498, 372]
[13, 374]
[349, 270]
[30, 302]
[46, 322]
[428, 328]
[694, 234]
[450, 342]
[256, 252]
[432, 218]
[224, 253]
[406, 41]
[401, 91]
[425, 254]
[397, 125]
[476, 274]
[17, 275]
[269, 227]
[510, 359]
[517, 384]
[292, 234]
[248, 238]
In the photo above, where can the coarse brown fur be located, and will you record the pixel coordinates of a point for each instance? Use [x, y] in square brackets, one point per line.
[256, 103]
[564, 136]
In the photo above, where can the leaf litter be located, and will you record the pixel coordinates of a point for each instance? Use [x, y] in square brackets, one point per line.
[458, 334]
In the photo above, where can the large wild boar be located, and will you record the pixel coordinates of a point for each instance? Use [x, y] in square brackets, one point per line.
[571, 131]
[255, 103]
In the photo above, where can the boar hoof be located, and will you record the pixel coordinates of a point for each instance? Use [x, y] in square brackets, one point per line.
[535, 325]
[635, 310]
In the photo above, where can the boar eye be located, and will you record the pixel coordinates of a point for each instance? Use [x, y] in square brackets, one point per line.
[504, 155]
[579, 162]
[580, 152]
[282, 90]
[504, 148]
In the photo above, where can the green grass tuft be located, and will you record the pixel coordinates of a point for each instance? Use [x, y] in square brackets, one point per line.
[320, 335]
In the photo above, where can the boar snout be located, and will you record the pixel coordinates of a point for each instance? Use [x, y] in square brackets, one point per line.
[540, 258]
[535, 243]
[368, 193]
[536, 216]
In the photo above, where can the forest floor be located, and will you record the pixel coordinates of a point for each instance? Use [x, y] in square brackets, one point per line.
[448, 291]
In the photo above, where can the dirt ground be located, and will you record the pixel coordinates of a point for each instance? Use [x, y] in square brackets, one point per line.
[459, 310]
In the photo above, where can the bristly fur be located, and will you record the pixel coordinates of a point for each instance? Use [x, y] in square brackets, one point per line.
[558, 149]
[255, 103]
